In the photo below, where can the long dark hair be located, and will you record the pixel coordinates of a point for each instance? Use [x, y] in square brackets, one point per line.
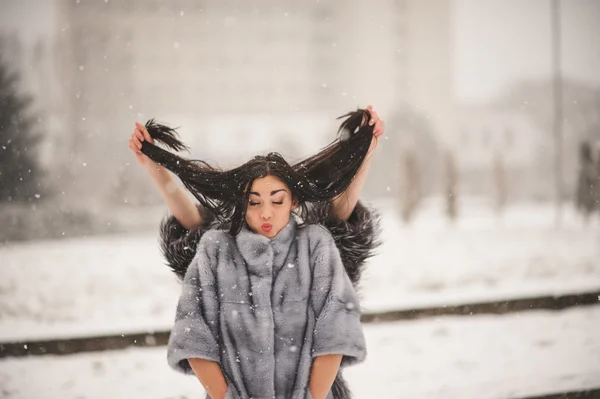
[224, 193]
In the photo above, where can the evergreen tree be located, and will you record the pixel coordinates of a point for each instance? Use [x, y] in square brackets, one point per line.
[20, 173]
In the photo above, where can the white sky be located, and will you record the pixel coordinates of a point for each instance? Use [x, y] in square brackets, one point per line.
[32, 19]
[496, 41]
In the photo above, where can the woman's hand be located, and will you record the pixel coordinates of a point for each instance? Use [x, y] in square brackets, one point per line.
[322, 375]
[344, 204]
[379, 126]
[177, 199]
[140, 133]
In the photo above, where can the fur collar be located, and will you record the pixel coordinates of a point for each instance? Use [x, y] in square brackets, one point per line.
[356, 238]
[259, 251]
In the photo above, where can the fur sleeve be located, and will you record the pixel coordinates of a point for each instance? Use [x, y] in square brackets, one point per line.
[356, 238]
[197, 310]
[178, 245]
[338, 329]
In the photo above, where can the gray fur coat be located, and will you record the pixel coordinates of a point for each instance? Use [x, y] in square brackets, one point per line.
[265, 308]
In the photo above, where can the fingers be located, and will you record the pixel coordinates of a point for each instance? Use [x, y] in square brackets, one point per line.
[376, 128]
[369, 110]
[134, 147]
[139, 134]
[135, 138]
[376, 122]
[364, 121]
[379, 128]
[135, 141]
[374, 118]
[144, 131]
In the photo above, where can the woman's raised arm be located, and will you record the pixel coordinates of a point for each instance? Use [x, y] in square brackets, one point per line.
[344, 204]
[181, 205]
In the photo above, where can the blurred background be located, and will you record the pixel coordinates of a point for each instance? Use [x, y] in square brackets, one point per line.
[487, 178]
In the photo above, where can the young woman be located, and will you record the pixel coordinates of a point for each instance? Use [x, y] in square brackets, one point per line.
[269, 259]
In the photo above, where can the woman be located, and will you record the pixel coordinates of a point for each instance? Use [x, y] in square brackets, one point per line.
[268, 307]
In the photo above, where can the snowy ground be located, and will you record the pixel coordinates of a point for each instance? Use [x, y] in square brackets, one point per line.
[482, 357]
[115, 284]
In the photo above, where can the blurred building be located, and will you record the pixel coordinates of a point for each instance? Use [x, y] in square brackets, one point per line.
[485, 134]
[510, 140]
[240, 77]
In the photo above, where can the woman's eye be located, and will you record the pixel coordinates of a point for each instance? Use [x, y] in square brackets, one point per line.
[254, 203]
[278, 203]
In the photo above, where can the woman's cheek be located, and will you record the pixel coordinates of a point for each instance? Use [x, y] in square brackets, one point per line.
[249, 216]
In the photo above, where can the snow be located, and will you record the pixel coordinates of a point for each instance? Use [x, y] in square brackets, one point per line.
[119, 283]
[481, 257]
[482, 357]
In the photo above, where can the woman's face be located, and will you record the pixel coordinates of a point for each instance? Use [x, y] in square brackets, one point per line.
[269, 206]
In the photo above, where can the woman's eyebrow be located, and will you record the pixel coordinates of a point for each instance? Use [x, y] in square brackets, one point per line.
[272, 192]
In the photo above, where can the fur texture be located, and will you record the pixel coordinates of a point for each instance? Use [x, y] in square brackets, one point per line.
[356, 240]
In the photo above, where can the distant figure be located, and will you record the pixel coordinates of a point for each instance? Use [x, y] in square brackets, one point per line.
[588, 182]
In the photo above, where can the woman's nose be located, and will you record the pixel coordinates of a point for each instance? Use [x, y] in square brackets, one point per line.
[266, 214]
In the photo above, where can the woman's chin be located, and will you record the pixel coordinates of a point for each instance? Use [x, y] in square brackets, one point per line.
[269, 234]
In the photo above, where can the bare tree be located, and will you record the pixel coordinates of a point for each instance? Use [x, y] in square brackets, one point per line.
[500, 183]
[451, 188]
[587, 195]
[410, 194]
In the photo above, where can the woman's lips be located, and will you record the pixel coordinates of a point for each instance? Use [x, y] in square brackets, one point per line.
[266, 227]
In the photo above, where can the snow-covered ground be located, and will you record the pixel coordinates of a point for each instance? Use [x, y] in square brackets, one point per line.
[119, 283]
[480, 357]
[481, 257]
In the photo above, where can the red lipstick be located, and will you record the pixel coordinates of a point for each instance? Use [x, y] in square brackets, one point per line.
[266, 227]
